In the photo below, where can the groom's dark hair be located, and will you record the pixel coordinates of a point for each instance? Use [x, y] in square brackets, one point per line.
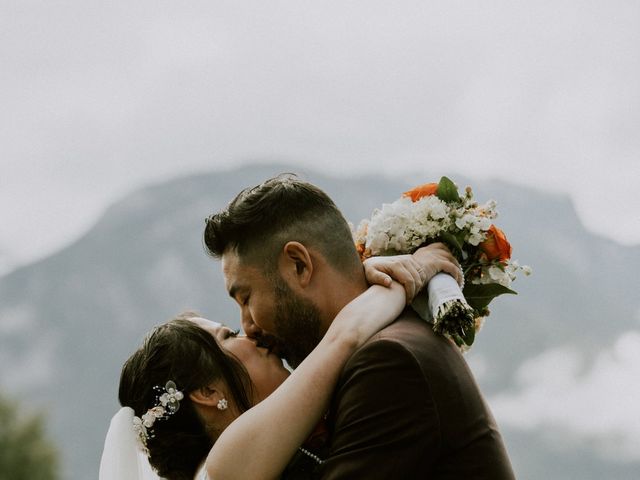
[262, 219]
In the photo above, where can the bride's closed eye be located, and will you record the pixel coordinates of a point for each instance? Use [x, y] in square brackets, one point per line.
[230, 333]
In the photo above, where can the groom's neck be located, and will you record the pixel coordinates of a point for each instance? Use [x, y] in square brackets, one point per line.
[341, 290]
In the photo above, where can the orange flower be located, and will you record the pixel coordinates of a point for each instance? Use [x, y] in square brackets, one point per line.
[363, 251]
[421, 191]
[496, 246]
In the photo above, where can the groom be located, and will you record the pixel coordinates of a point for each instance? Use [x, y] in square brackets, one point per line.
[406, 405]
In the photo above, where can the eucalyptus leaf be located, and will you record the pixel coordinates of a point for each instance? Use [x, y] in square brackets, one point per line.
[447, 191]
[479, 296]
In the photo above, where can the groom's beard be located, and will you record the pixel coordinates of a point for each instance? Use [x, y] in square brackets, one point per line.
[297, 324]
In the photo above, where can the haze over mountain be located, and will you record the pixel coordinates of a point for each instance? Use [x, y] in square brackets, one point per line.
[558, 362]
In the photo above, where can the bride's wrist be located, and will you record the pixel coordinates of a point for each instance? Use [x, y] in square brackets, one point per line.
[366, 315]
[346, 334]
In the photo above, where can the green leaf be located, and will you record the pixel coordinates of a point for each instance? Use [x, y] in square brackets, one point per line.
[469, 336]
[479, 296]
[447, 191]
[452, 242]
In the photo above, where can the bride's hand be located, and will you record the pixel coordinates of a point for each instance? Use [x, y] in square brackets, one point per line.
[413, 271]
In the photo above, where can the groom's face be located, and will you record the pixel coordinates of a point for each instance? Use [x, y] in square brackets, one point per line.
[271, 312]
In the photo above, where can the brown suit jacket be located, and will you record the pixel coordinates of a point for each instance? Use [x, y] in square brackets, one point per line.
[407, 406]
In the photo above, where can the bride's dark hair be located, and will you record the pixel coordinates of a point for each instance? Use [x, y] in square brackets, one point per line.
[181, 351]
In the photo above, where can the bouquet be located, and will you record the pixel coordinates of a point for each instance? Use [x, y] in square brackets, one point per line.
[436, 212]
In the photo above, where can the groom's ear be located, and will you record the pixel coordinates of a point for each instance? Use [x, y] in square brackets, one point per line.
[296, 263]
[208, 396]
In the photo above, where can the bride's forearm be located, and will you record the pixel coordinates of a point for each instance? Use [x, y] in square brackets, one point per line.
[367, 314]
[272, 431]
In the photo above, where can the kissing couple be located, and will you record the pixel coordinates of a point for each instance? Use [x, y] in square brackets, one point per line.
[373, 393]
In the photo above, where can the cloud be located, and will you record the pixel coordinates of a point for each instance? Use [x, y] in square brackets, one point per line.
[596, 402]
[100, 99]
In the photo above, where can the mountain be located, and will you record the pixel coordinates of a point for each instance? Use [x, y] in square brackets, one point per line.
[67, 323]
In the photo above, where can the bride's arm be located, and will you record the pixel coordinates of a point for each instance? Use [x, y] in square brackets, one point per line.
[268, 434]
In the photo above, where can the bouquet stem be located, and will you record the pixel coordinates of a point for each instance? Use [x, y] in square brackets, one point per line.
[444, 306]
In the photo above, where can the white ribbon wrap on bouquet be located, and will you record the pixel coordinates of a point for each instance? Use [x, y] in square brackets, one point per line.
[441, 288]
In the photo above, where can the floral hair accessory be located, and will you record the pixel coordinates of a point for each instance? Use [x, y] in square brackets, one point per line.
[166, 404]
[171, 398]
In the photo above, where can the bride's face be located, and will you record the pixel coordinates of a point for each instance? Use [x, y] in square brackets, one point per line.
[265, 369]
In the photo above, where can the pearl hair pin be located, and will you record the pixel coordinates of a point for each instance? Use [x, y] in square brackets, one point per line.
[166, 404]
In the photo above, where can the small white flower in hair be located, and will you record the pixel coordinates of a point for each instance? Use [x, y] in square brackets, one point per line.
[171, 398]
[138, 426]
[152, 415]
[165, 405]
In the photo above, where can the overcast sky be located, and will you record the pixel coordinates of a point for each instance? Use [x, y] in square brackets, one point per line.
[99, 98]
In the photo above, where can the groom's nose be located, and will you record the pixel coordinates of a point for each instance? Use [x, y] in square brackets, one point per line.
[249, 327]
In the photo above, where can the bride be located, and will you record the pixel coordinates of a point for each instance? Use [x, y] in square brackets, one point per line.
[200, 401]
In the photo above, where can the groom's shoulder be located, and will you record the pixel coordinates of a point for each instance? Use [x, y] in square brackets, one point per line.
[409, 339]
[415, 335]
[405, 330]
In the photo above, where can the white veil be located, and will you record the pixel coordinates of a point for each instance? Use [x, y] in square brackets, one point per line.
[122, 458]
